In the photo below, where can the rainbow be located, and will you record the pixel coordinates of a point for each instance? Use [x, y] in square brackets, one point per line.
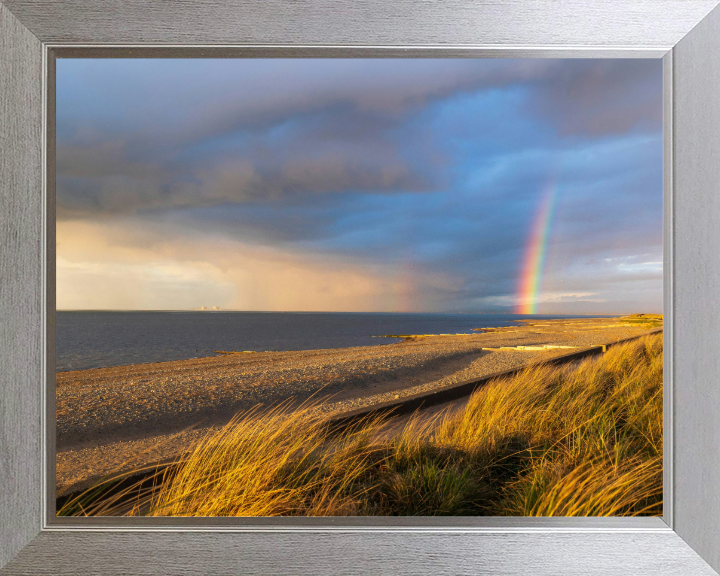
[534, 259]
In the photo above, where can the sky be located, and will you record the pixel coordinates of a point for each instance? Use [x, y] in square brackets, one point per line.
[373, 185]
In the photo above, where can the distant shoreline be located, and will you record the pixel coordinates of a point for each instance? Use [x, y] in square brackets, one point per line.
[89, 339]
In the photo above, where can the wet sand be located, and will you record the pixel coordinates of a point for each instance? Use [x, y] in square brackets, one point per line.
[126, 417]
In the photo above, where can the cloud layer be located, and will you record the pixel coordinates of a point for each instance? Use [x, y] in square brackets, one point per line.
[357, 184]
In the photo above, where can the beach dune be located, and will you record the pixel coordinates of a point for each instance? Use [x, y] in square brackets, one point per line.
[128, 416]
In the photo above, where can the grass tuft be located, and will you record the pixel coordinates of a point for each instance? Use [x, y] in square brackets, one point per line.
[584, 439]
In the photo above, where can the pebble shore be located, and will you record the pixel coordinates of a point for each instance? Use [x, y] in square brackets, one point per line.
[128, 416]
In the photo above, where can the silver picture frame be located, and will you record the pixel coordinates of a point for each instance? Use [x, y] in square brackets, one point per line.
[684, 33]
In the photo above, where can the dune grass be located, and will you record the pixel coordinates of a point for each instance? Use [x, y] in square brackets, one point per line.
[578, 440]
[646, 321]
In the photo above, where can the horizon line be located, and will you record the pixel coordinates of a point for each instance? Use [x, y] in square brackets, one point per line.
[349, 311]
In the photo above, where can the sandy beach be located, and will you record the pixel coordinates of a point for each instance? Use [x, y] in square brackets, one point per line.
[125, 417]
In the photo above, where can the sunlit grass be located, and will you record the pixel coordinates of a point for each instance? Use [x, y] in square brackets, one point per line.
[646, 321]
[583, 439]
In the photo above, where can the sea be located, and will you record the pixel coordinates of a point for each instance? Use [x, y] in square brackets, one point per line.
[89, 339]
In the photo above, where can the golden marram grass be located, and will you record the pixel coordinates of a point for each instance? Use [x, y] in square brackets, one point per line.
[580, 440]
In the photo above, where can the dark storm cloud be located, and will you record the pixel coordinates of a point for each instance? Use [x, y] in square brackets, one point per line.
[607, 97]
[437, 166]
[89, 178]
[236, 132]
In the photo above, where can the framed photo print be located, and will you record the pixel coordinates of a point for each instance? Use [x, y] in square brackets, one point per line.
[429, 289]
